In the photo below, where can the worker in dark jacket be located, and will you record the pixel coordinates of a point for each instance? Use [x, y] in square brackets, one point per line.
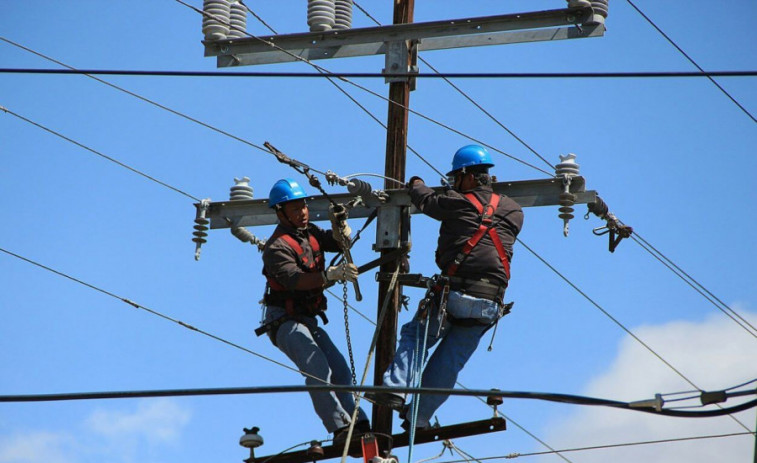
[476, 237]
[293, 264]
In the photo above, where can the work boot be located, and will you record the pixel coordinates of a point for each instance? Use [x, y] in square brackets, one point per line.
[386, 399]
[406, 426]
[340, 435]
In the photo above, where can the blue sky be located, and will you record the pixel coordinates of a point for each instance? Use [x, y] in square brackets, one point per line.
[674, 158]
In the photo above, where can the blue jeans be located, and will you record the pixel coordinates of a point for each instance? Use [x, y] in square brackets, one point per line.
[311, 350]
[456, 345]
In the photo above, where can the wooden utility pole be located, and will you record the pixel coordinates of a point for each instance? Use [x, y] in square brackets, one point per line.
[396, 150]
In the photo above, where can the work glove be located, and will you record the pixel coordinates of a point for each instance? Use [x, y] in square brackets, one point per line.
[412, 180]
[341, 272]
[342, 233]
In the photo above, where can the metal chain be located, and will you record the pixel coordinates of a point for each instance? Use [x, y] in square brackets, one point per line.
[347, 332]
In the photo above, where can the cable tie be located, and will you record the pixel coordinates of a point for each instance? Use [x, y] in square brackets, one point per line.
[187, 325]
[131, 303]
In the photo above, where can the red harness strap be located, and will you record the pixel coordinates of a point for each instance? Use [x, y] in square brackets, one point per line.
[483, 229]
[316, 265]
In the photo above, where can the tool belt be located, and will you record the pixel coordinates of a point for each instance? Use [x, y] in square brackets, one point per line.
[478, 288]
[297, 305]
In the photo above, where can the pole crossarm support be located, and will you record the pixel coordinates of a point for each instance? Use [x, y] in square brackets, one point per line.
[527, 193]
[425, 436]
[567, 23]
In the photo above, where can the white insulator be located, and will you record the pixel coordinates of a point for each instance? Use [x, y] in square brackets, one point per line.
[215, 21]
[567, 167]
[321, 15]
[241, 189]
[343, 11]
[238, 20]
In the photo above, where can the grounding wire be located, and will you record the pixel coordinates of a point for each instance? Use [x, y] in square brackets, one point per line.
[599, 447]
[165, 317]
[365, 89]
[465, 95]
[690, 59]
[113, 160]
[617, 322]
[249, 10]
[660, 256]
[463, 453]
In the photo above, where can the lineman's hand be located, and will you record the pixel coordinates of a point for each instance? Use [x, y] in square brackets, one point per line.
[341, 272]
[342, 231]
[413, 180]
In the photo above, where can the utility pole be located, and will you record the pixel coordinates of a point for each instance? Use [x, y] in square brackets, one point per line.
[394, 167]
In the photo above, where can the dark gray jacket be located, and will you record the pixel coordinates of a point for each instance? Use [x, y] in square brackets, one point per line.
[460, 220]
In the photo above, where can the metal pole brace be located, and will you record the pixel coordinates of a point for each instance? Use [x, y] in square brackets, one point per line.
[401, 57]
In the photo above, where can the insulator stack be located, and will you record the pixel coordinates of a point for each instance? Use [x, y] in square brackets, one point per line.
[601, 9]
[201, 226]
[238, 20]
[343, 14]
[359, 187]
[215, 21]
[241, 189]
[321, 15]
[566, 170]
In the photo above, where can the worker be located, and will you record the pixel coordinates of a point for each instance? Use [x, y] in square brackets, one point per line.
[293, 264]
[474, 250]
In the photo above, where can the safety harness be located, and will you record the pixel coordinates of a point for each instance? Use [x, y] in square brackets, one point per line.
[484, 227]
[296, 303]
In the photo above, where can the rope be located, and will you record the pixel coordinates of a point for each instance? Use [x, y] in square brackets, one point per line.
[419, 365]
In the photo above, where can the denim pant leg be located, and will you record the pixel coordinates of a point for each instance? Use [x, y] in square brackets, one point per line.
[297, 342]
[401, 372]
[442, 369]
[340, 371]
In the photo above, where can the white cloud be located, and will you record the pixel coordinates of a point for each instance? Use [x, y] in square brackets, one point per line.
[713, 354]
[106, 435]
[35, 447]
[155, 420]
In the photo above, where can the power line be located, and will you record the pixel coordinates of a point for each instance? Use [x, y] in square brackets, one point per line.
[253, 390]
[380, 75]
[607, 446]
[698, 287]
[321, 69]
[154, 312]
[691, 60]
[113, 160]
[617, 322]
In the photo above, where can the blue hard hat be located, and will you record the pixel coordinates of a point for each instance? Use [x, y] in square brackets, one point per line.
[285, 190]
[471, 155]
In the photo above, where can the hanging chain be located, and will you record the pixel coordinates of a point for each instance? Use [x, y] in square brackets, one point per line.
[347, 332]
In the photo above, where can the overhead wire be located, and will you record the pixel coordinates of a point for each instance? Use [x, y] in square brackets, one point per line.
[383, 75]
[512, 456]
[698, 287]
[691, 60]
[92, 150]
[617, 322]
[156, 313]
[363, 88]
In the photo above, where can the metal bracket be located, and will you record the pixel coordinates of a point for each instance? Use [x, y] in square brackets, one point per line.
[401, 57]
